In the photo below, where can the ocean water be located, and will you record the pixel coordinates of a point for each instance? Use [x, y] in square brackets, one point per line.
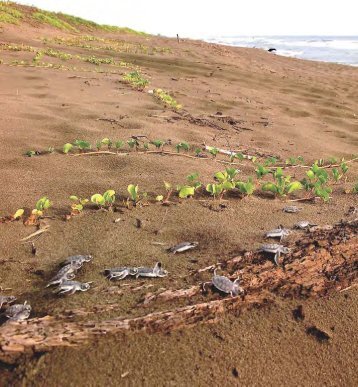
[337, 49]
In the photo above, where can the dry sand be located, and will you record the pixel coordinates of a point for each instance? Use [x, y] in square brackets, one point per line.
[291, 107]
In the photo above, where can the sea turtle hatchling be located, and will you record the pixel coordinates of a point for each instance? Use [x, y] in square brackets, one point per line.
[156, 271]
[225, 285]
[66, 273]
[18, 312]
[292, 209]
[6, 300]
[120, 273]
[81, 259]
[279, 232]
[72, 286]
[274, 249]
[304, 224]
[181, 247]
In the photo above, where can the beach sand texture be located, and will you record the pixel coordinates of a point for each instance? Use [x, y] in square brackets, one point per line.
[281, 106]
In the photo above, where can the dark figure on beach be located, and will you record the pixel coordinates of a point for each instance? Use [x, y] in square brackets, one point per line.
[178, 38]
[271, 50]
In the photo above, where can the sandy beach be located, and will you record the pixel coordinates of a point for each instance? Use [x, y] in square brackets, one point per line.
[284, 330]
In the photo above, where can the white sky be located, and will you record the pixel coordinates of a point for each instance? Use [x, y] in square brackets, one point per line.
[205, 18]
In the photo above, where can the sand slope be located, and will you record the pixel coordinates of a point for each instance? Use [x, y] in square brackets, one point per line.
[283, 106]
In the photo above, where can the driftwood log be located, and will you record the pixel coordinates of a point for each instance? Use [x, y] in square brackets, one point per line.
[321, 262]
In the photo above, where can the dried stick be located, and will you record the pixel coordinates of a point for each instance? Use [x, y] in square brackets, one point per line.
[38, 232]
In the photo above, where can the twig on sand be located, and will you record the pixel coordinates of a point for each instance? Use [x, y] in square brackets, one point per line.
[173, 154]
[310, 199]
[349, 287]
[38, 232]
[111, 120]
[78, 76]
[100, 153]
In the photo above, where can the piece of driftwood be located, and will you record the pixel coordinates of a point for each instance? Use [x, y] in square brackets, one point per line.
[169, 295]
[321, 262]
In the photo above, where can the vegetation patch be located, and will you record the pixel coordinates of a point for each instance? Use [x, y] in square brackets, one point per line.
[136, 80]
[51, 19]
[9, 14]
[166, 98]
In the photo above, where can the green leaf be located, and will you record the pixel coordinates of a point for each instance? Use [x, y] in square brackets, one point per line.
[186, 191]
[194, 176]
[106, 141]
[30, 153]
[310, 174]
[157, 143]
[74, 198]
[43, 204]
[270, 187]
[109, 196]
[182, 145]
[278, 173]
[221, 176]
[344, 167]
[159, 198]
[132, 143]
[294, 186]
[98, 199]
[82, 144]
[228, 185]
[214, 189]
[247, 188]
[66, 148]
[18, 214]
[133, 192]
[78, 207]
[119, 144]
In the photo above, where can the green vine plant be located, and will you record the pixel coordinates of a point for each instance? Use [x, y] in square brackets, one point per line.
[159, 144]
[295, 161]
[41, 206]
[282, 185]
[82, 145]
[119, 145]
[67, 148]
[213, 151]
[182, 146]
[165, 200]
[338, 174]
[317, 182]
[104, 201]
[246, 188]
[108, 142]
[226, 182]
[77, 204]
[135, 198]
[167, 99]
[136, 80]
[189, 189]
[133, 143]
[261, 171]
